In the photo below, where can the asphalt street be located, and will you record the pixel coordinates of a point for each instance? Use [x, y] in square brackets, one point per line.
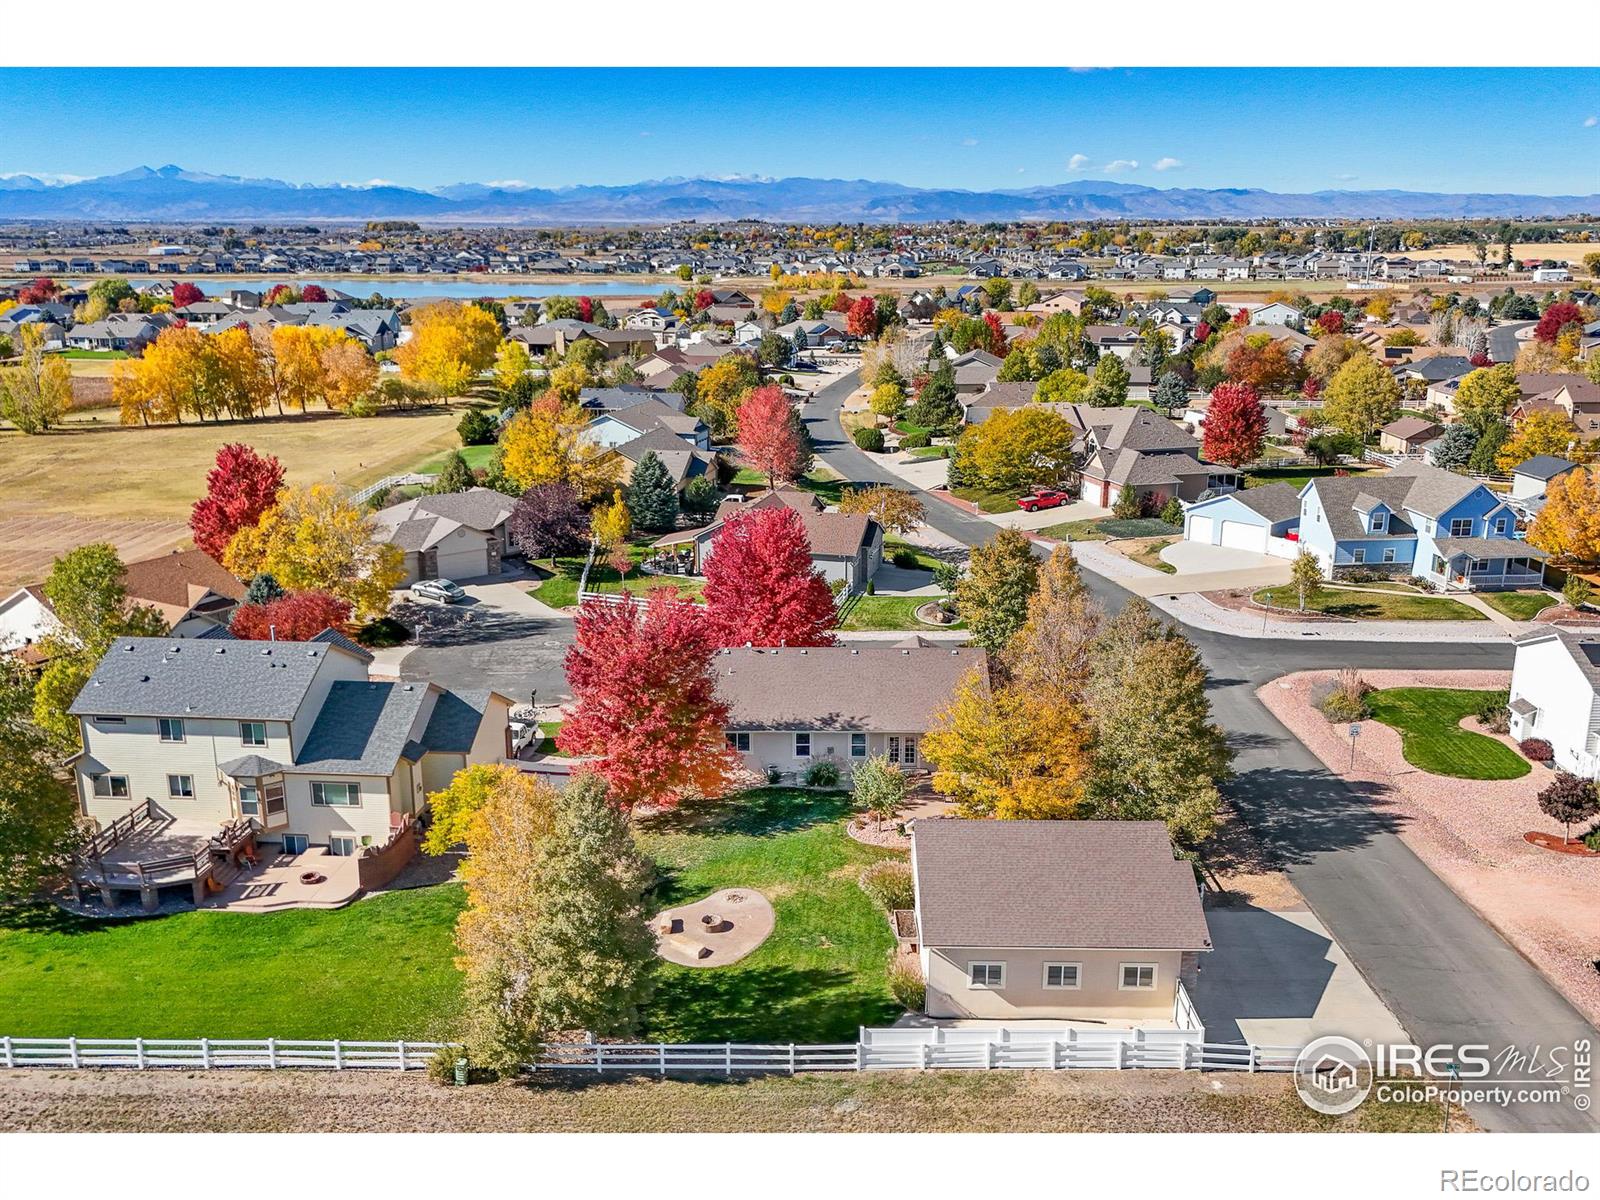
[1447, 976]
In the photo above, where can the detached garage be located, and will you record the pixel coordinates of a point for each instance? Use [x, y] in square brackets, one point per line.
[1262, 520]
[455, 535]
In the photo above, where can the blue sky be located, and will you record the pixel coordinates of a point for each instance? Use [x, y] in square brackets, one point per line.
[1285, 130]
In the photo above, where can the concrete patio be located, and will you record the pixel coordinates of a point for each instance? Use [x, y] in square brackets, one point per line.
[275, 883]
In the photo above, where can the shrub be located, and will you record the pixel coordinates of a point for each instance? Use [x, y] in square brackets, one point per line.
[700, 494]
[1421, 584]
[889, 884]
[836, 586]
[1536, 750]
[906, 558]
[915, 441]
[824, 774]
[362, 406]
[1493, 713]
[477, 428]
[906, 984]
[870, 440]
[1569, 799]
[442, 1066]
[1348, 700]
[1172, 514]
[1592, 839]
[872, 588]
[1577, 591]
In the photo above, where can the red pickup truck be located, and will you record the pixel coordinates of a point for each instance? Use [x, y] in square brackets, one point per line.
[1043, 498]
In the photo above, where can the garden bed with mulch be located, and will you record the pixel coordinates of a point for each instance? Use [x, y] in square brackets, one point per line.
[1550, 841]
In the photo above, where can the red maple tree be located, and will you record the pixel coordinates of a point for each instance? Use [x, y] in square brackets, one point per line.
[297, 617]
[761, 587]
[1236, 425]
[646, 711]
[1311, 388]
[1242, 317]
[997, 335]
[241, 487]
[313, 293]
[1557, 317]
[185, 294]
[769, 435]
[1481, 359]
[585, 309]
[41, 291]
[842, 302]
[1331, 321]
[862, 319]
[703, 299]
[1202, 331]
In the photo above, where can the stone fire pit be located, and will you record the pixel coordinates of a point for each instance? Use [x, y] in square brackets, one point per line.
[721, 928]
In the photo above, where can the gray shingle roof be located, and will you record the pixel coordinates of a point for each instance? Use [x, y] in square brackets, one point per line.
[1055, 884]
[455, 720]
[362, 728]
[881, 688]
[1481, 547]
[250, 766]
[1542, 466]
[166, 677]
[1274, 501]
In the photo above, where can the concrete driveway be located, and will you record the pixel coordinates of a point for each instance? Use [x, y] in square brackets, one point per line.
[1078, 510]
[1279, 979]
[1193, 557]
[1202, 568]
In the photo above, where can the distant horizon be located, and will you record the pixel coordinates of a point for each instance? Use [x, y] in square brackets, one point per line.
[1523, 130]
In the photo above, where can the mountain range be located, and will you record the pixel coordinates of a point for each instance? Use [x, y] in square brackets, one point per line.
[174, 194]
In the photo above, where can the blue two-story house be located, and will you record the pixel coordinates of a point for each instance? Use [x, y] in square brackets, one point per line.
[1417, 520]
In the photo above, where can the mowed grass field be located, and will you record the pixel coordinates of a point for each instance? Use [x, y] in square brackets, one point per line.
[95, 479]
[1570, 252]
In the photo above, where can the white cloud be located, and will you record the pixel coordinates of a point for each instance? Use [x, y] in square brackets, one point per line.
[1167, 164]
[969, 141]
[1591, 122]
[1346, 178]
[1121, 164]
[1077, 162]
[1022, 170]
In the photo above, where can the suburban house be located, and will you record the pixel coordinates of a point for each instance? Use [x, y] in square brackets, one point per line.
[1407, 435]
[1277, 313]
[1136, 447]
[111, 334]
[630, 413]
[453, 535]
[1417, 520]
[1063, 920]
[976, 406]
[291, 735]
[847, 547]
[789, 708]
[1263, 519]
[192, 592]
[974, 371]
[1555, 695]
[1575, 396]
[1532, 477]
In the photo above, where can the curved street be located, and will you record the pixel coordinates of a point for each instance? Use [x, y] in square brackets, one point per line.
[1446, 975]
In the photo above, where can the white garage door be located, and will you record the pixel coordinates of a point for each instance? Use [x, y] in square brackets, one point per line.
[1202, 529]
[469, 562]
[1244, 537]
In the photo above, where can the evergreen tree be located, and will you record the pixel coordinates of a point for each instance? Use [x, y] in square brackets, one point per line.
[1487, 449]
[790, 313]
[651, 497]
[1455, 448]
[1110, 386]
[263, 589]
[455, 477]
[1171, 392]
[937, 407]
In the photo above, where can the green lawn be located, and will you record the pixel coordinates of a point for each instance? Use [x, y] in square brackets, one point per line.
[1098, 529]
[930, 452]
[560, 589]
[91, 354]
[1519, 606]
[547, 744]
[379, 969]
[821, 974]
[1295, 477]
[820, 481]
[383, 967]
[891, 544]
[1373, 606]
[479, 458]
[987, 501]
[1428, 720]
[889, 612]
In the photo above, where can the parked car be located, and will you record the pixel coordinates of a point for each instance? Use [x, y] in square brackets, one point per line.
[443, 590]
[1043, 498]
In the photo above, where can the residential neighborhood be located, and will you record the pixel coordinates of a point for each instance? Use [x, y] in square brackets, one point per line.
[896, 667]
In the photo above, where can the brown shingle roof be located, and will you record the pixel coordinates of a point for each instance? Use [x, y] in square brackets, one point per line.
[886, 689]
[1055, 884]
[174, 583]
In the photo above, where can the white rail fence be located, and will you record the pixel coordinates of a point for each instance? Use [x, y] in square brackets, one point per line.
[877, 1050]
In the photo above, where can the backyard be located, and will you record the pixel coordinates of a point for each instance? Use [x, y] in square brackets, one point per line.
[1298, 476]
[559, 589]
[1372, 605]
[889, 612]
[314, 974]
[1429, 723]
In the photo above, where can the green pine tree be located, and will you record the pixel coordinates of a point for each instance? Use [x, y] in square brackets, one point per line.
[456, 475]
[651, 497]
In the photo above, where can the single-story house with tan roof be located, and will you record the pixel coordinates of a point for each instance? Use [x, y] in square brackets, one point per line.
[1063, 920]
[789, 708]
[844, 546]
[1407, 435]
[453, 535]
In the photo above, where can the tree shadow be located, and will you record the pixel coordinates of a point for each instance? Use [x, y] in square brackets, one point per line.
[760, 812]
[1303, 813]
[1262, 966]
[43, 917]
[763, 1004]
[469, 624]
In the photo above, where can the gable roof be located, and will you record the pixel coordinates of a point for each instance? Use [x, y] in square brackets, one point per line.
[1054, 884]
[1543, 466]
[1406, 428]
[174, 583]
[362, 727]
[1583, 647]
[1274, 501]
[426, 520]
[880, 688]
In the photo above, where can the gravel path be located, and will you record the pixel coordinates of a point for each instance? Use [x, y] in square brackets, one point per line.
[1469, 832]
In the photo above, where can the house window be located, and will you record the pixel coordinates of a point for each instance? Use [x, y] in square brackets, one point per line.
[1438, 565]
[802, 745]
[1358, 556]
[1388, 554]
[1138, 977]
[894, 749]
[1380, 522]
[335, 795]
[1500, 526]
[171, 729]
[1479, 566]
[115, 786]
[910, 752]
[249, 801]
[739, 742]
[272, 796]
[986, 975]
[1062, 975]
[342, 844]
[858, 745]
[1461, 527]
[253, 733]
[180, 787]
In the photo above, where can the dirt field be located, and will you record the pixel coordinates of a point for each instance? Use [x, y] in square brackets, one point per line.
[882, 1102]
[96, 480]
[1571, 252]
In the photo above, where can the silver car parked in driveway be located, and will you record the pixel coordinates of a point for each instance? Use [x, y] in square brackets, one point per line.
[443, 590]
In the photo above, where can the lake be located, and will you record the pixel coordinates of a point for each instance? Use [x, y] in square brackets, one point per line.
[413, 289]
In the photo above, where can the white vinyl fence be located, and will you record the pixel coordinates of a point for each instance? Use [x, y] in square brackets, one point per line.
[215, 1053]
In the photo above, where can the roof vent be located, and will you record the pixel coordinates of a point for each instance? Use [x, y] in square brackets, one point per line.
[221, 650]
[265, 652]
[904, 651]
[128, 647]
[802, 649]
[144, 679]
[853, 650]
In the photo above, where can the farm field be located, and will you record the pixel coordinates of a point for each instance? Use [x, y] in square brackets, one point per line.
[97, 480]
[1570, 252]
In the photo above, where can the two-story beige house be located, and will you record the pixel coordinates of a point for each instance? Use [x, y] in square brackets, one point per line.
[290, 734]
[1059, 920]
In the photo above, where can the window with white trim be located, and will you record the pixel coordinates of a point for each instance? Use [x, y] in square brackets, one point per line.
[1479, 566]
[180, 787]
[910, 752]
[1388, 554]
[1380, 522]
[802, 745]
[1063, 976]
[1500, 525]
[335, 795]
[1461, 527]
[739, 742]
[986, 975]
[114, 786]
[170, 729]
[253, 733]
[894, 748]
[858, 745]
[342, 845]
[249, 800]
[1358, 555]
[1138, 977]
